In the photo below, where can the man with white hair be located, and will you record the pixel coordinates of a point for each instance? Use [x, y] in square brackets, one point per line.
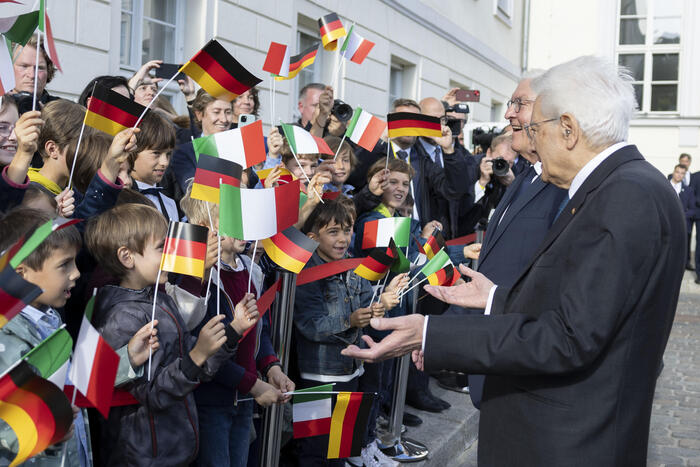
[572, 350]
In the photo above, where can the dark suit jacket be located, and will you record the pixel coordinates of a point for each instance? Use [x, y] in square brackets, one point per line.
[695, 185]
[572, 350]
[687, 197]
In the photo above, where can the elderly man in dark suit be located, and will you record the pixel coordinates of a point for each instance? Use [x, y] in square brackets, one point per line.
[571, 351]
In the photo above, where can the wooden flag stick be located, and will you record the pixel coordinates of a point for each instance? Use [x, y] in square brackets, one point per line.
[211, 226]
[80, 139]
[340, 146]
[36, 67]
[156, 97]
[252, 262]
[414, 286]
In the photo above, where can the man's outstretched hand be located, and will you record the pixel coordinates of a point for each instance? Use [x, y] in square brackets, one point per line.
[473, 294]
[407, 335]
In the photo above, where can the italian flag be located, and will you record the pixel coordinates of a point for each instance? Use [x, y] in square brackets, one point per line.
[7, 71]
[303, 142]
[19, 29]
[95, 364]
[379, 233]
[311, 413]
[51, 357]
[257, 214]
[277, 60]
[245, 146]
[355, 47]
[365, 129]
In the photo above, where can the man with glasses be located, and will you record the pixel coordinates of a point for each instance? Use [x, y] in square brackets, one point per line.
[522, 217]
[573, 348]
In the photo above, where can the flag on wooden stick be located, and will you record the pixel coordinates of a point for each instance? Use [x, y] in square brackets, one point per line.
[331, 29]
[245, 146]
[185, 249]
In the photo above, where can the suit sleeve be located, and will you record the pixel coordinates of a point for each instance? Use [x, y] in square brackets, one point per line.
[457, 178]
[604, 272]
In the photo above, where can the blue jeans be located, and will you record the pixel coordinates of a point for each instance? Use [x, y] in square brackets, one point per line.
[225, 434]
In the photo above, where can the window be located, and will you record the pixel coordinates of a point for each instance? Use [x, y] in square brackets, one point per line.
[649, 45]
[395, 83]
[503, 10]
[314, 72]
[402, 80]
[149, 31]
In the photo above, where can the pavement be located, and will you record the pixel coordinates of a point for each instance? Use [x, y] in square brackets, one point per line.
[674, 437]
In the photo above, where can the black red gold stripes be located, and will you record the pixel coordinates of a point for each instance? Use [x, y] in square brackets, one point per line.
[219, 73]
[331, 29]
[413, 124]
[376, 265]
[185, 249]
[290, 249]
[301, 61]
[111, 112]
[15, 294]
[210, 174]
[348, 424]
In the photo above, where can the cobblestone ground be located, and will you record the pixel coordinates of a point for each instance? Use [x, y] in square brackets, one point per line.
[674, 438]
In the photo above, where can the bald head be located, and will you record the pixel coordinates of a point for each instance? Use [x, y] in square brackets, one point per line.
[432, 106]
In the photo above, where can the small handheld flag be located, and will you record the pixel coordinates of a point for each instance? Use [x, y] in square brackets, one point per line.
[348, 424]
[285, 176]
[95, 364]
[185, 249]
[355, 47]
[277, 60]
[19, 29]
[439, 261]
[331, 29]
[245, 146]
[111, 112]
[446, 276]
[210, 173]
[376, 265]
[299, 62]
[435, 243]
[257, 214]
[378, 233]
[15, 294]
[51, 357]
[413, 124]
[303, 142]
[39, 235]
[35, 409]
[311, 413]
[365, 129]
[290, 249]
[218, 72]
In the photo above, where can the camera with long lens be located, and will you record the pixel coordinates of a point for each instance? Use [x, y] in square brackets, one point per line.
[500, 166]
[455, 124]
[483, 138]
[341, 110]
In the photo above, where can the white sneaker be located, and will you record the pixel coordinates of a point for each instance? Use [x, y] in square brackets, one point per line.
[354, 461]
[368, 459]
[381, 459]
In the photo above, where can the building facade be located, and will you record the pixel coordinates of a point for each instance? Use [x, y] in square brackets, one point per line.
[422, 49]
[658, 40]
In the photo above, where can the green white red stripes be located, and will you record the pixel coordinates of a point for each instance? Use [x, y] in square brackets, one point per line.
[356, 47]
[19, 29]
[245, 146]
[258, 214]
[311, 413]
[7, 71]
[303, 142]
[379, 233]
[365, 129]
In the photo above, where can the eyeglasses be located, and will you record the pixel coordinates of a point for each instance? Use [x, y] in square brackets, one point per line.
[530, 129]
[6, 129]
[517, 103]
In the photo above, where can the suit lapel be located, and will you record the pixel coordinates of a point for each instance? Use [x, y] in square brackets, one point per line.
[497, 213]
[608, 166]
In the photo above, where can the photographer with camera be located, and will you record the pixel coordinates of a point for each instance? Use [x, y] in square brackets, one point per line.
[495, 172]
[24, 63]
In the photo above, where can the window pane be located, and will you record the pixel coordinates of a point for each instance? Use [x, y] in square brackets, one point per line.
[635, 63]
[632, 31]
[125, 40]
[667, 30]
[633, 7]
[664, 97]
[664, 67]
[158, 42]
[668, 7]
[395, 84]
[639, 94]
[163, 10]
[128, 5]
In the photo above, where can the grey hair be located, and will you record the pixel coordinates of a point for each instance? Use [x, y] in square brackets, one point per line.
[596, 92]
[532, 74]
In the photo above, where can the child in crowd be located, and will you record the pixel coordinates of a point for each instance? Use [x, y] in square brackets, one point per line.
[8, 119]
[162, 429]
[225, 423]
[52, 267]
[329, 315]
[151, 158]
[343, 166]
[306, 166]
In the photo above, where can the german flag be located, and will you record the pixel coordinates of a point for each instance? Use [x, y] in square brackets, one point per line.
[185, 249]
[15, 294]
[299, 62]
[376, 265]
[348, 424]
[111, 112]
[285, 176]
[8, 254]
[434, 244]
[290, 249]
[211, 172]
[331, 30]
[413, 124]
[219, 73]
[446, 276]
[36, 410]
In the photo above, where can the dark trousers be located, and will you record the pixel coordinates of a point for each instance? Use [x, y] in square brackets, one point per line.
[313, 451]
[697, 248]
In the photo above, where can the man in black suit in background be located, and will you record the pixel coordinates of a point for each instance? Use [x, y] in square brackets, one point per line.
[572, 350]
[695, 185]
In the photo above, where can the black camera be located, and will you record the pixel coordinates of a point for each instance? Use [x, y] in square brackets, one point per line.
[500, 166]
[341, 110]
[481, 137]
